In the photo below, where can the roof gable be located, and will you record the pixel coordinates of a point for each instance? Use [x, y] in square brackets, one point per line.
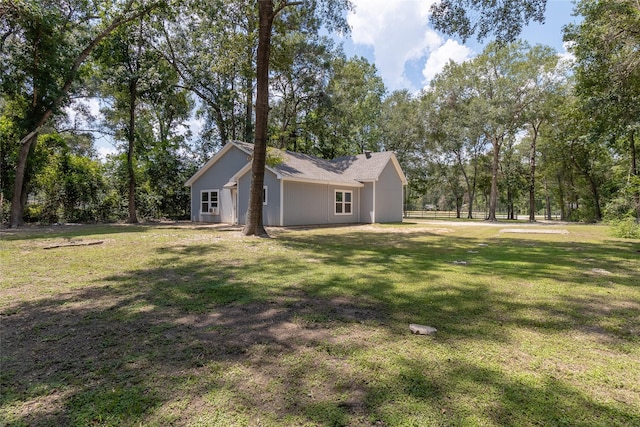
[220, 154]
[347, 170]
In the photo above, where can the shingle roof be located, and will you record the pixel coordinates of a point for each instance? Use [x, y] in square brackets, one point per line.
[349, 170]
[363, 167]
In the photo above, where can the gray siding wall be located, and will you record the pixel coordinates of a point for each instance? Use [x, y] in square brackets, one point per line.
[313, 204]
[366, 203]
[270, 211]
[389, 195]
[214, 179]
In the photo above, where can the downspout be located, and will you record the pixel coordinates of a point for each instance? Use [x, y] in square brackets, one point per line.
[403, 188]
[373, 214]
[329, 203]
[359, 204]
[281, 202]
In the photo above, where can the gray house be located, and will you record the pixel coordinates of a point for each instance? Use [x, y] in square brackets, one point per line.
[301, 190]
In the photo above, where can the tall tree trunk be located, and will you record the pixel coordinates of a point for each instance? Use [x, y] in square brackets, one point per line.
[635, 172]
[547, 201]
[593, 186]
[471, 184]
[493, 201]
[17, 207]
[221, 122]
[254, 224]
[532, 175]
[563, 206]
[248, 88]
[131, 136]
[472, 195]
[596, 197]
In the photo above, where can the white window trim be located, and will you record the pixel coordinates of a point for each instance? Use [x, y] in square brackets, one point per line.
[344, 192]
[265, 195]
[217, 206]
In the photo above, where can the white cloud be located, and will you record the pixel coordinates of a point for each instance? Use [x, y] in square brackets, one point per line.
[399, 32]
[105, 150]
[567, 56]
[439, 58]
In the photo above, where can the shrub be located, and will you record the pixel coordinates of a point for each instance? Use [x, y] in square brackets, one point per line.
[626, 228]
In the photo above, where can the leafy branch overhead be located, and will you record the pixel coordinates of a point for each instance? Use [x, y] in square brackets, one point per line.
[503, 19]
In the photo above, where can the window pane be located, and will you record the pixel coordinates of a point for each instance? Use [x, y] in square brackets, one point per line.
[338, 196]
[347, 207]
[338, 207]
[204, 207]
[214, 196]
[205, 196]
[347, 197]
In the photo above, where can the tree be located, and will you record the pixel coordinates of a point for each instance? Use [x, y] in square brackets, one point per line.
[456, 130]
[504, 19]
[545, 88]
[402, 130]
[267, 12]
[44, 47]
[355, 94]
[71, 182]
[212, 47]
[513, 175]
[302, 63]
[607, 70]
[500, 89]
[490, 100]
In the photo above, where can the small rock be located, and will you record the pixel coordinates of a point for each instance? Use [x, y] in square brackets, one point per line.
[460, 262]
[422, 330]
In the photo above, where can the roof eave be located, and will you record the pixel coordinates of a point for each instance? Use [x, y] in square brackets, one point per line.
[322, 181]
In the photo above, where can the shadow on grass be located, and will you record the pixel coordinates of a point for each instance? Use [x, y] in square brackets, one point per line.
[38, 232]
[312, 338]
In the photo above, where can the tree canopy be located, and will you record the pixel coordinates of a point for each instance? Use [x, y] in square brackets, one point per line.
[514, 129]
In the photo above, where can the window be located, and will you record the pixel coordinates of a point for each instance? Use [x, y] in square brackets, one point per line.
[209, 201]
[264, 195]
[343, 202]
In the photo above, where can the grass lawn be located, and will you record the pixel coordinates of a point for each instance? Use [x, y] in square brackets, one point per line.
[198, 326]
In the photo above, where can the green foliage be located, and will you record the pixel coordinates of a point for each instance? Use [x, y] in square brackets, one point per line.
[479, 110]
[275, 157]
[70, 185]
[352, 109]
[504, 19]
[605, 44]
[626, 228]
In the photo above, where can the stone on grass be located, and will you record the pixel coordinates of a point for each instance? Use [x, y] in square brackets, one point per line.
[422, 329]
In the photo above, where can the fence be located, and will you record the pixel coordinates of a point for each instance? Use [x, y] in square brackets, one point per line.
[436, 214]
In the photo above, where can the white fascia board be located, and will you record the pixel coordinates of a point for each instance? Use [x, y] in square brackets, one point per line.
[396, 164]
[323, 182]
[247, 168]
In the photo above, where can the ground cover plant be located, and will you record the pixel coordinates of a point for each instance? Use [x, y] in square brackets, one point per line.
[186, 325]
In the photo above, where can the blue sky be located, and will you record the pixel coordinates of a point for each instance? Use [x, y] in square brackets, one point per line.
[396, 36]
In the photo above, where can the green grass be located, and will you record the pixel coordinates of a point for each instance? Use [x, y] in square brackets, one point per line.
[196, 326]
